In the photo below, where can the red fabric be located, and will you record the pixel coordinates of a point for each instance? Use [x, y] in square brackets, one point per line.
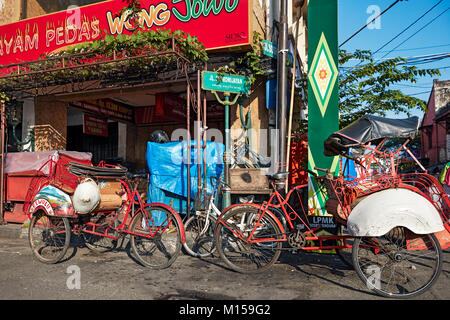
[298, 160]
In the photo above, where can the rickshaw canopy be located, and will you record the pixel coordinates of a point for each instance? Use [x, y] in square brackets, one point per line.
[369, 128]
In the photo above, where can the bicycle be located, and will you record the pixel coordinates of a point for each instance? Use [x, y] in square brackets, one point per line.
[199, 228]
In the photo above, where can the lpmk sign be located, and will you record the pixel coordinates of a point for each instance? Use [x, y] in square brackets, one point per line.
[216, 23]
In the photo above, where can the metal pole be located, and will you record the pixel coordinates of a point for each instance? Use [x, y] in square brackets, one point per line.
[2, 164]
[204, 127]
[282, 85]
[291, 105]
[226, 201]
[199, 142]
[188, 160]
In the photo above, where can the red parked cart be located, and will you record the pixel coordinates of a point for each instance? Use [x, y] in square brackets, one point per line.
[22, 167]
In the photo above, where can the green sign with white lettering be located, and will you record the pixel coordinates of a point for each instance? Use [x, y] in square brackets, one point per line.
[270, 49]
[214, 81]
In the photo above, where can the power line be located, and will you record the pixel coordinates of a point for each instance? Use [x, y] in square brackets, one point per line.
[410, 85]
[417, 31]
[428, 55]
[414, 60]
[430, 59]
[429, 47]
[417, 93]
[393, 4]
[407, 27]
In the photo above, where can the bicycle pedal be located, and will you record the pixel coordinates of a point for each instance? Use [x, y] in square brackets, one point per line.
[104, 224]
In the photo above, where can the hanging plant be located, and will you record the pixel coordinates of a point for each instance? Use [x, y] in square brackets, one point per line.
[3, 98]
[140, 55]
[247, 64]
[133, 9]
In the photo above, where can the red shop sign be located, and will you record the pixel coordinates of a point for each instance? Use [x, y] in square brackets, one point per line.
[216, 23]
[106, 107]
[169, 107]
[95, 126]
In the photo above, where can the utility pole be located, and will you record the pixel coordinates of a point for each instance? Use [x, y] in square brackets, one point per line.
[2, 158]
[281, 109]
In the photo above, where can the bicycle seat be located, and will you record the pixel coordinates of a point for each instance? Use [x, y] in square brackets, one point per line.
[278, 175]
[137, 175]
[81, 170]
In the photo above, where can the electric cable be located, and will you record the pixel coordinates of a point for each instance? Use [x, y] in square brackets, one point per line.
[404, 30]
[354, 34]
[417, 31]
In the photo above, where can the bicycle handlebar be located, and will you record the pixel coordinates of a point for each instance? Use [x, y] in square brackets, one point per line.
[137, 175]
[327, 171]
[218, 182]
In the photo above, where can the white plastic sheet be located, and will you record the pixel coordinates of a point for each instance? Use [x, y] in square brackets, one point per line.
[16, 162]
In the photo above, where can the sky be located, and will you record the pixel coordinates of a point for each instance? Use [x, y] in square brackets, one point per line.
[429, 35]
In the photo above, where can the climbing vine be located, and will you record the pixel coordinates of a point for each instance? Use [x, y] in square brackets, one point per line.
[247, 64]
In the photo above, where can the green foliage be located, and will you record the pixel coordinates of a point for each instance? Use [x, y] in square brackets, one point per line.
[366, 88]
[143, 42]
[247, 64]
[3, 97]
[134, 8]
[127, 56]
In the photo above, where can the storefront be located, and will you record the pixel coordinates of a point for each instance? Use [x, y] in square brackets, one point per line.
[27, 40]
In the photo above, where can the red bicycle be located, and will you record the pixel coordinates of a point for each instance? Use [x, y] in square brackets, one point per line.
[250, 237]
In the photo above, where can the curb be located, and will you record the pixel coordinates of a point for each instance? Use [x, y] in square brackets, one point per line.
[13, 231]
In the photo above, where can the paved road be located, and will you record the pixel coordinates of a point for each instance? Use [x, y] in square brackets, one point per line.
[116, 275]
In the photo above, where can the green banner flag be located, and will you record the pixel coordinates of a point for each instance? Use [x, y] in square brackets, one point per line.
[323, 94]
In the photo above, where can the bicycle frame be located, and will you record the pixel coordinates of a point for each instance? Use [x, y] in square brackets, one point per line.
[291, 216]
[133, 198]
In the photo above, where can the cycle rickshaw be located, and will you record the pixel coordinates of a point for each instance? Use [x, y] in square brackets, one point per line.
[396, 222]
[101, 204]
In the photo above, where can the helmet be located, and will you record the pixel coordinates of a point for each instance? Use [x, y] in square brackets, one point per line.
[159, 136]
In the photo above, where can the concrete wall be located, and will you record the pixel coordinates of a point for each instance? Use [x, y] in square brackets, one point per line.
[50, 124]
[9, 11]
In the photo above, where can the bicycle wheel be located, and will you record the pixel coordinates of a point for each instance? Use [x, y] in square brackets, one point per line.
[345, 254]
[231, 233]
[155, 237]
[102, 244]
[391, 269]
[49, 237]
[199, 236]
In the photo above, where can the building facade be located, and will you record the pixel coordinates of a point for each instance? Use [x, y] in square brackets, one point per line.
[435, 127]
[58, 123]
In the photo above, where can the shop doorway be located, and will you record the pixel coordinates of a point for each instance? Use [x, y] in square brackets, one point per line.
[103, 144]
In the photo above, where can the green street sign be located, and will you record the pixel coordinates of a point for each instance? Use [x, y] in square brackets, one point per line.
[214, 81]
[270, 49]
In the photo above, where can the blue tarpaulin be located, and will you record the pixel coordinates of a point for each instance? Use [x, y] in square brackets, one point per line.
[167, 164]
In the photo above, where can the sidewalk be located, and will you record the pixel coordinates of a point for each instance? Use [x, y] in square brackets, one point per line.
[13, 231]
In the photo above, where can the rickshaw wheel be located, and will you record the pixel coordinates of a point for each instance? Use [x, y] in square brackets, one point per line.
[389, 268]
[156, 243]
[49, 237]
[344, 254]
[240, 255]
